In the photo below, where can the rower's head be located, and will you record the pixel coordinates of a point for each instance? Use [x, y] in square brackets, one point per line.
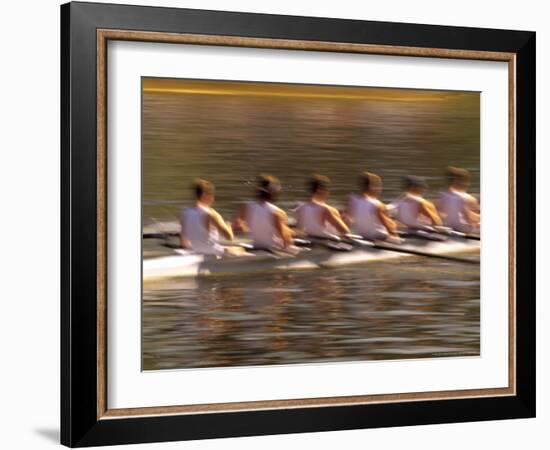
[370, 183]
[268, 188]
[319, 186]
[204, 191]
[458, 178]
[415, 185]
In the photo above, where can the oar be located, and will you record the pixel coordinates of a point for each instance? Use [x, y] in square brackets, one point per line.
[156, 235]
[446, 231]
[392, 248]
[408, 251]
[278, 252]
[332, 242]
[452, 233]
[437, 231]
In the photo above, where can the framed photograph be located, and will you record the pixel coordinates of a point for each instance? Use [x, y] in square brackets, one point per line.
[276, 224]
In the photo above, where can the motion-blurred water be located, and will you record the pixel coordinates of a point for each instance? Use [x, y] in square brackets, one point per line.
[406, 309]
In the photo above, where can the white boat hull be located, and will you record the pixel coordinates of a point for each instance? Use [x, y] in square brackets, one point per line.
[189, 264]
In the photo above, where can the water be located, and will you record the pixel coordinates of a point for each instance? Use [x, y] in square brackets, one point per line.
[385, 311]
[404, 309]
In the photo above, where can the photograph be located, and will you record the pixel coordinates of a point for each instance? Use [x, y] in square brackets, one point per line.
[277, 223]
[288, 223]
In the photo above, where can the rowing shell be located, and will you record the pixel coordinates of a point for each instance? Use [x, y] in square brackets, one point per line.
[188, 264]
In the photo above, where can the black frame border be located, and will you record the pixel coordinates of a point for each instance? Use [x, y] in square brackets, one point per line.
[79, 423]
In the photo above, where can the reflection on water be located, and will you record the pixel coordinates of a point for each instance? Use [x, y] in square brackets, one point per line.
[380, 311]
[406, 309]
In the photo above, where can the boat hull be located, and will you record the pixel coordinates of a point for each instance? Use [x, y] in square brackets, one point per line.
[188, 264]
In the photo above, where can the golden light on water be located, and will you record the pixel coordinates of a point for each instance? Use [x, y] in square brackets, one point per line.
[259, 89]
[227, 132]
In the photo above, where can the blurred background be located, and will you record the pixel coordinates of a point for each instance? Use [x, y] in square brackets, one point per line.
[227, 132]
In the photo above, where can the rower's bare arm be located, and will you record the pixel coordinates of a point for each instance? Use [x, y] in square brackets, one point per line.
[390, 225]
[473, 210]
[223, 227]
[282, 228]
[473, 203]
[427, 209]
[332, 216]
[240, 221]
[471, 216]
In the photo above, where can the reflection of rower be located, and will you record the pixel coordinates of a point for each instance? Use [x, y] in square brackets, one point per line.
[413, 210]
[266, 223]
[201, 224]
[367, 214]
[316, 217]
[458, 209]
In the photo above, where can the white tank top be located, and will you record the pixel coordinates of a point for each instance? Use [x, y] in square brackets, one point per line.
[452, 205]
[310, 219]
[203, 239]
[366, 221]
[260, 217]
[408, 211]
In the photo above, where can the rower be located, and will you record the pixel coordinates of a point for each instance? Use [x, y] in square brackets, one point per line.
[413, 210]
[201, 224]
[367, 215]
[315, 217]
[458, 209]
[266, 222]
